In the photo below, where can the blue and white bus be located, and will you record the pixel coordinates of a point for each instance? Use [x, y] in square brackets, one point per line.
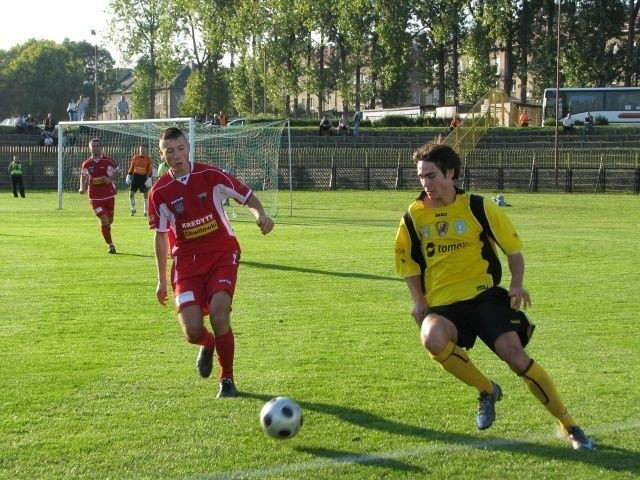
[616, 104]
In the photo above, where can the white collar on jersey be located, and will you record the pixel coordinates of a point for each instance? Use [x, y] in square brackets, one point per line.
[184, 178]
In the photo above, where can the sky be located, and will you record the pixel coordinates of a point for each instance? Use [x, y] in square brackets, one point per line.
[57, 20]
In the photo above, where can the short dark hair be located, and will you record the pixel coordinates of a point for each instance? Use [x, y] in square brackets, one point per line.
[443, 156]
[171, 133]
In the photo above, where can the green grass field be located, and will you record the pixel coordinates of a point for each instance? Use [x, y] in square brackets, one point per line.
[96, 381]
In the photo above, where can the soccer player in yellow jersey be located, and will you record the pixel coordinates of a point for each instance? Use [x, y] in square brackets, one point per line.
[446, 250]
[139, 178]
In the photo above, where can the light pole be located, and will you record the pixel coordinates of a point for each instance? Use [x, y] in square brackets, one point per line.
[95, 72]
[556, 153]
[264, 72]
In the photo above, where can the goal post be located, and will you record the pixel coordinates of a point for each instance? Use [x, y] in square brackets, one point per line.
[249, 152]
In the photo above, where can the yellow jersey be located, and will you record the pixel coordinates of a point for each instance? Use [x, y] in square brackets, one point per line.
[453, 248]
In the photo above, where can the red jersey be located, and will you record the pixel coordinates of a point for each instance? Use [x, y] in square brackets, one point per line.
[192, 208]
[96, 170]
[141, 165]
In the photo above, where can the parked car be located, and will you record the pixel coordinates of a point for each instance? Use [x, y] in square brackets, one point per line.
[9, 121]
[238, 122]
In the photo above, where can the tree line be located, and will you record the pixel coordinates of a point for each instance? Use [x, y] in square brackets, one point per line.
[42, 76]
[258, 56]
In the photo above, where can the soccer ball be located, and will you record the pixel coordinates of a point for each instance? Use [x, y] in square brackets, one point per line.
[281, 418]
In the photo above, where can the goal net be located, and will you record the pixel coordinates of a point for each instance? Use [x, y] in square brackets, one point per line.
[250, 153]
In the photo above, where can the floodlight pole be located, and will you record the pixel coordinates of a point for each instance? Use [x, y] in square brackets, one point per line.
[95, 72]
[264, 72]
[556, 149]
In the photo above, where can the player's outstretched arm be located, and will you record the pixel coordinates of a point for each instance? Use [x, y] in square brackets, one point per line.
[264, 221]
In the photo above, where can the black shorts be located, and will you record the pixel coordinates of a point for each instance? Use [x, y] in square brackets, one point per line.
[487, 316]
[138, 183]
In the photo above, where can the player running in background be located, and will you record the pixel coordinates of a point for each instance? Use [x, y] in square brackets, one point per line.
[97, 176]
[188, 201]
[139, 178]
[446, 252]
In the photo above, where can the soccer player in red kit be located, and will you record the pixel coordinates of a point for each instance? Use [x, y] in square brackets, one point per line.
[188, 201]
[97, 176]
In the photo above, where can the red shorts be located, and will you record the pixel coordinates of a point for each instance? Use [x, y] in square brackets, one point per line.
[195, 278]
[104, 207]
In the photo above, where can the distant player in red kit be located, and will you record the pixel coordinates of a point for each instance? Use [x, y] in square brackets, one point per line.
[188, 202]
[97, 176]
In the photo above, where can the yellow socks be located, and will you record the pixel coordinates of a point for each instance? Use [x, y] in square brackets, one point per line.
[540, 384]
[455, 360]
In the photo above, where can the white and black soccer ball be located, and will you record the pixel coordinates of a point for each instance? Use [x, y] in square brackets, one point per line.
[281, 418]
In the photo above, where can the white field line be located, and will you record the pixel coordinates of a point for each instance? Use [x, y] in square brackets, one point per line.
[414, 452]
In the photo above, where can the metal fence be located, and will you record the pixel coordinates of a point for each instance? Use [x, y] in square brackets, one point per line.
[515, 169]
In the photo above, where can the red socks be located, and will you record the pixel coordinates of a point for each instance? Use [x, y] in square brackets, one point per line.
[106, 233]
[206, 339]
[225, 346]
[225, 349]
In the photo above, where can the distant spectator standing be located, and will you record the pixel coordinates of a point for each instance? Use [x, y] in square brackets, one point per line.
[30, 123]
[524, 119]
[71, 110]
[357, 118]
[123, 109]
[223, 118]
[80, 109]
[568, 123]
[343, 125]
[588, 124]
[15, 170]
[455, 121]
[49, 123]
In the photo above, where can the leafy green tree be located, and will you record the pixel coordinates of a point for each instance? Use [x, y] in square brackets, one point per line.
[501, 19]
[39, 77]
[438, 30]
[241, 77]
[632, 46]
[588, 58]
[479, 75]
[145, 32]
[391, 51]
[542, 65]
[320, 19]
[104, 72]
[143, 88]
[247, 32]
[205, 24]
[284, 49]
[354, 20]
